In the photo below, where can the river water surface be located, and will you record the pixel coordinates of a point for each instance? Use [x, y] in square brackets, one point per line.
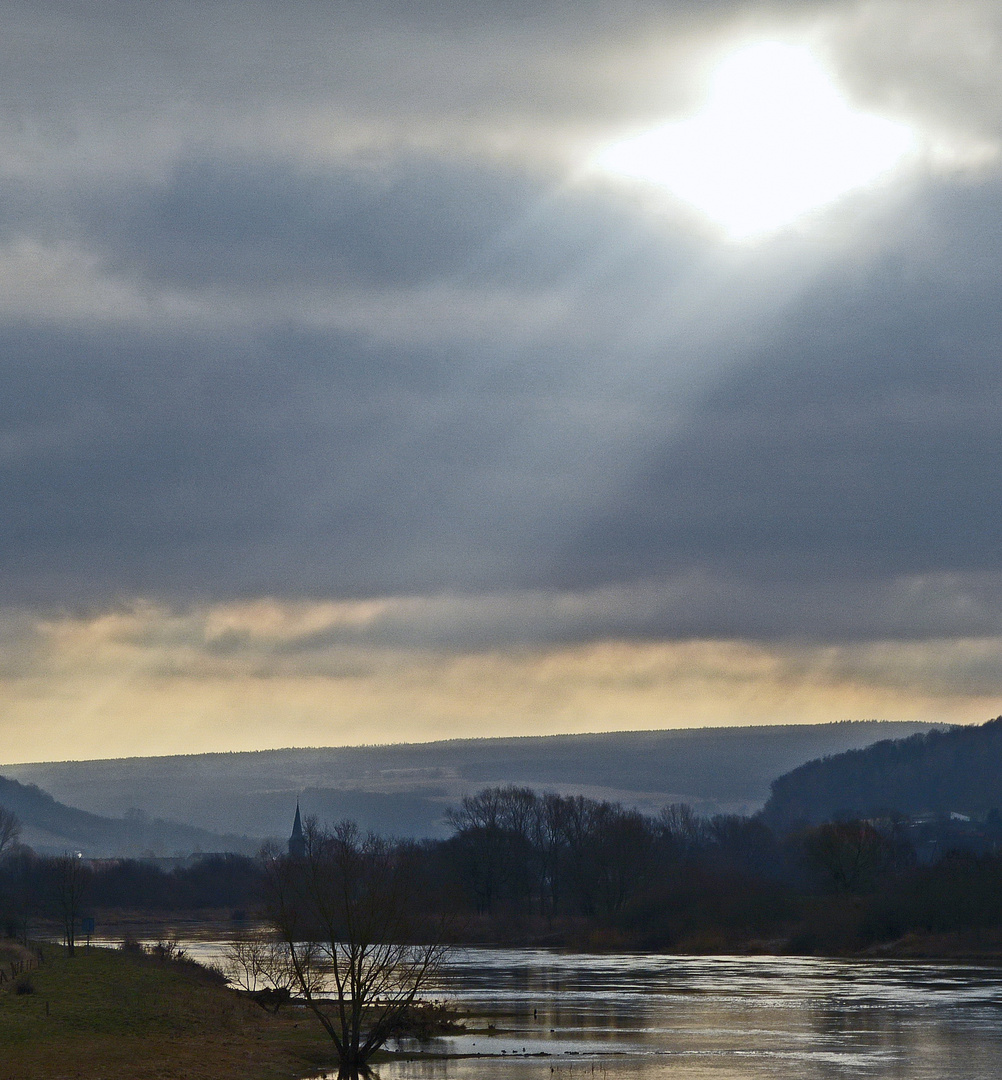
[689, 1018]
[560, 1016]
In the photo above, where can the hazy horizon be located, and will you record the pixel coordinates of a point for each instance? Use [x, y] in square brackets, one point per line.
[477, 739]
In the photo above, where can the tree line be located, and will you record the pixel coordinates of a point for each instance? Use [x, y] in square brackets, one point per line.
[521, 866]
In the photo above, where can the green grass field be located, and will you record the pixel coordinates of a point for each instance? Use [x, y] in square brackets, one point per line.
[111, 1015]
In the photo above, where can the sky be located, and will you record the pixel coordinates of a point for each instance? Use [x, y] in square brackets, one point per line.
[394, 372]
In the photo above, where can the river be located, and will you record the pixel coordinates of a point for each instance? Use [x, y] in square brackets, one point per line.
[690, 1018]
[560, 1016]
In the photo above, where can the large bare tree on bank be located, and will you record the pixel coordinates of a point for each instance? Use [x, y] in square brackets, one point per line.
[345, 903]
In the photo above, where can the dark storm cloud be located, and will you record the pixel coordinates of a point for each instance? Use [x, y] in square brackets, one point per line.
[860, 444]
[863, 441]
[259, 222]
[243, 222]
[333, 419]
[284, 463]
[139, 465]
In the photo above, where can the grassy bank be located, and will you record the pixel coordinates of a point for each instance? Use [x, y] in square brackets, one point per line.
[107, 1014]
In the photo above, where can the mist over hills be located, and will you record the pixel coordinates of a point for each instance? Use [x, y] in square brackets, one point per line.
[405, 789]
[53, 828]
[936, 772]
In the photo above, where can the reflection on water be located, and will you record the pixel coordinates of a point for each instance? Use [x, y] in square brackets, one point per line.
[751, 1018]
[642, 1017]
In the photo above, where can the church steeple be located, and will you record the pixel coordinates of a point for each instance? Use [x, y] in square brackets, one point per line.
[297, 842]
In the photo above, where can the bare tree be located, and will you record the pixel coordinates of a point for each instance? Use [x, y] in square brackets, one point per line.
[257, 963]
[262, 966]
[681, 829]
[851, 856]
[345, 901]
[23, 894]
[70, 878]
[10, 829]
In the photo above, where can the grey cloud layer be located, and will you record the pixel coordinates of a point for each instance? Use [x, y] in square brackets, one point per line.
[404, 370]
[864, 439]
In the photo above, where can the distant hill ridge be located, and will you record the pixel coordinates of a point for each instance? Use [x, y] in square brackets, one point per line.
[959, 769]
[53, 827]
[405, 789]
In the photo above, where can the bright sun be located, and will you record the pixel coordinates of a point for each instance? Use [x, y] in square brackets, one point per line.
[775, 140]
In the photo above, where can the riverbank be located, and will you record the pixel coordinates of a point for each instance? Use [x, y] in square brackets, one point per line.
[977, 946]
[112, 1014]
[832, 927]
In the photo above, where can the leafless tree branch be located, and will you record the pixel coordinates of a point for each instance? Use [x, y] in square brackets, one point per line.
[343, 912]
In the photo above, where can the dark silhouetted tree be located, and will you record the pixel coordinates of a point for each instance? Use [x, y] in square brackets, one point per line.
[344, 908]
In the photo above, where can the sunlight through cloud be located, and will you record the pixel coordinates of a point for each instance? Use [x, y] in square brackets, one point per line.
[775, 140]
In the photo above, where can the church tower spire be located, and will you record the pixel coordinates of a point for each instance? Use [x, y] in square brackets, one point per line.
[297, 842]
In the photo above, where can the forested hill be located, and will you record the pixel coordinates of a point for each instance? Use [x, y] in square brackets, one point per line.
[53, 827]
[959, 770]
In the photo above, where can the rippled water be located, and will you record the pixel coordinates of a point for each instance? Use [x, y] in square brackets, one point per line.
[560, 1016]
[627, 1016]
